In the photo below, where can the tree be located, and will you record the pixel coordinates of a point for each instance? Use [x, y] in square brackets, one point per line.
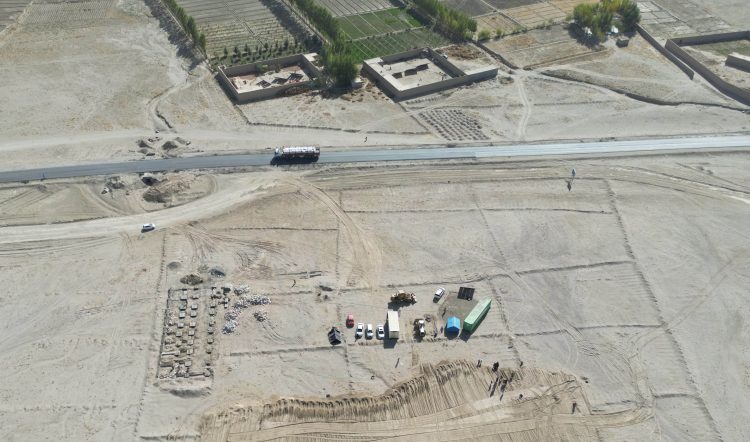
[202, 41]
[630, 13]
[340, 64]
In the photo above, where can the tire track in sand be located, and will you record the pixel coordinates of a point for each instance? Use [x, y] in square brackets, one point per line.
[368, 262]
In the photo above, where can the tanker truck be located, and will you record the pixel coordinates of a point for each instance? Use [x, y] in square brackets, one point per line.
[299, 153]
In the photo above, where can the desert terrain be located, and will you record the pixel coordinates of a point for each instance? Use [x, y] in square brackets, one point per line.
[623, 295]
[616, 283]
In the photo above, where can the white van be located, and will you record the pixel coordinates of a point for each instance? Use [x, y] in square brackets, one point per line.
[438, 294]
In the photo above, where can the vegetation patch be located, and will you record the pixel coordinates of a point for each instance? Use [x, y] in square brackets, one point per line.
[598, 17]
[453, 23]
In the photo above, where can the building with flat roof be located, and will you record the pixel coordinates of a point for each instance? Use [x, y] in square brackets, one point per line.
[419, 72]
[269, 78]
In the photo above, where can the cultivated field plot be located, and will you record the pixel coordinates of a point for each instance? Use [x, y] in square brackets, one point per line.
[57, 15]
[377, 23]
[377, 46]
[471, 8]
[509, 4]
[387, 32]
[10, 10]
[535, 14]
[495, 21]
[255, 23]
[539, 46]
[673, 18]
[341, 8]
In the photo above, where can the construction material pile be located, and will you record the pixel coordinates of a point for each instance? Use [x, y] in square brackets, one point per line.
[260, 315]
[241, 290]
[229, 326]
[242, 303]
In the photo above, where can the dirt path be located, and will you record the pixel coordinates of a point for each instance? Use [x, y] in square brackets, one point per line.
[234, 191]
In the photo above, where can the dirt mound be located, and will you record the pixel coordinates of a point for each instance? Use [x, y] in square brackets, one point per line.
[463, 52]
[115, 182]
[163, 191]
[191, 279]
[452, 392]
[169, 145]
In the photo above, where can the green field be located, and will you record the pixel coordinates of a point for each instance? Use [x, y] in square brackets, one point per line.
[386, 32]
[377, 23]
[377, 46]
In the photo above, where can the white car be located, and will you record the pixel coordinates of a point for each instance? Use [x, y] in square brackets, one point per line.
[438, 294]
[381, 331]
[368, 333]
[148, 227]
[360, 330]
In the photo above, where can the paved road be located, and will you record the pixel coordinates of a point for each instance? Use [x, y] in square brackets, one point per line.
[354, 156]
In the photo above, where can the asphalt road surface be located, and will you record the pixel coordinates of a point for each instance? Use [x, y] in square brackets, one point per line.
[355, 156]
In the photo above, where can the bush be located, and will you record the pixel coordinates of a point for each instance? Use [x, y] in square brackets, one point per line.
[484, 34]
[499, 33]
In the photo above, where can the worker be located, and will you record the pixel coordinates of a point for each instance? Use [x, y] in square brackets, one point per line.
[573, 173]
[570, 184]
[574, 406]
[365, 139]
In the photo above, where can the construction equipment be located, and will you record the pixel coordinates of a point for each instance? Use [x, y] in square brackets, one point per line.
[403, 297]
[419, 327]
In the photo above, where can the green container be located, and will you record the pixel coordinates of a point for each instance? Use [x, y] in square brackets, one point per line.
[476, 315]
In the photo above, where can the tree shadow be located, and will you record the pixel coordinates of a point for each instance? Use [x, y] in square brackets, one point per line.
[176, 35]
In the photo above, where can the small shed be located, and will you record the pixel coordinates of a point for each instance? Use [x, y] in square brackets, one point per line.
[453, 325]
[334, 336]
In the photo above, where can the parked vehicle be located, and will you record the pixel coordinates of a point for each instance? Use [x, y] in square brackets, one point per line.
[419, 327]
[381, 331]
[368, 333]
[350, 320]
[438, 294]
[148, 227]
[393, 328]
[359, 331]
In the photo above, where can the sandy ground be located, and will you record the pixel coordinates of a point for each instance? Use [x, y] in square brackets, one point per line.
[613, 295]
[624, 295]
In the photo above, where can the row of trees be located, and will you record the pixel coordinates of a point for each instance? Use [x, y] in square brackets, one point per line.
[320, 17]
[455, 23]
[337, 55]
[187, 23]
[599, 16]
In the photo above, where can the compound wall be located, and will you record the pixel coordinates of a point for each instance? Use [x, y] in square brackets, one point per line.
[673, 46]
[303, 60]
[458, 77]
